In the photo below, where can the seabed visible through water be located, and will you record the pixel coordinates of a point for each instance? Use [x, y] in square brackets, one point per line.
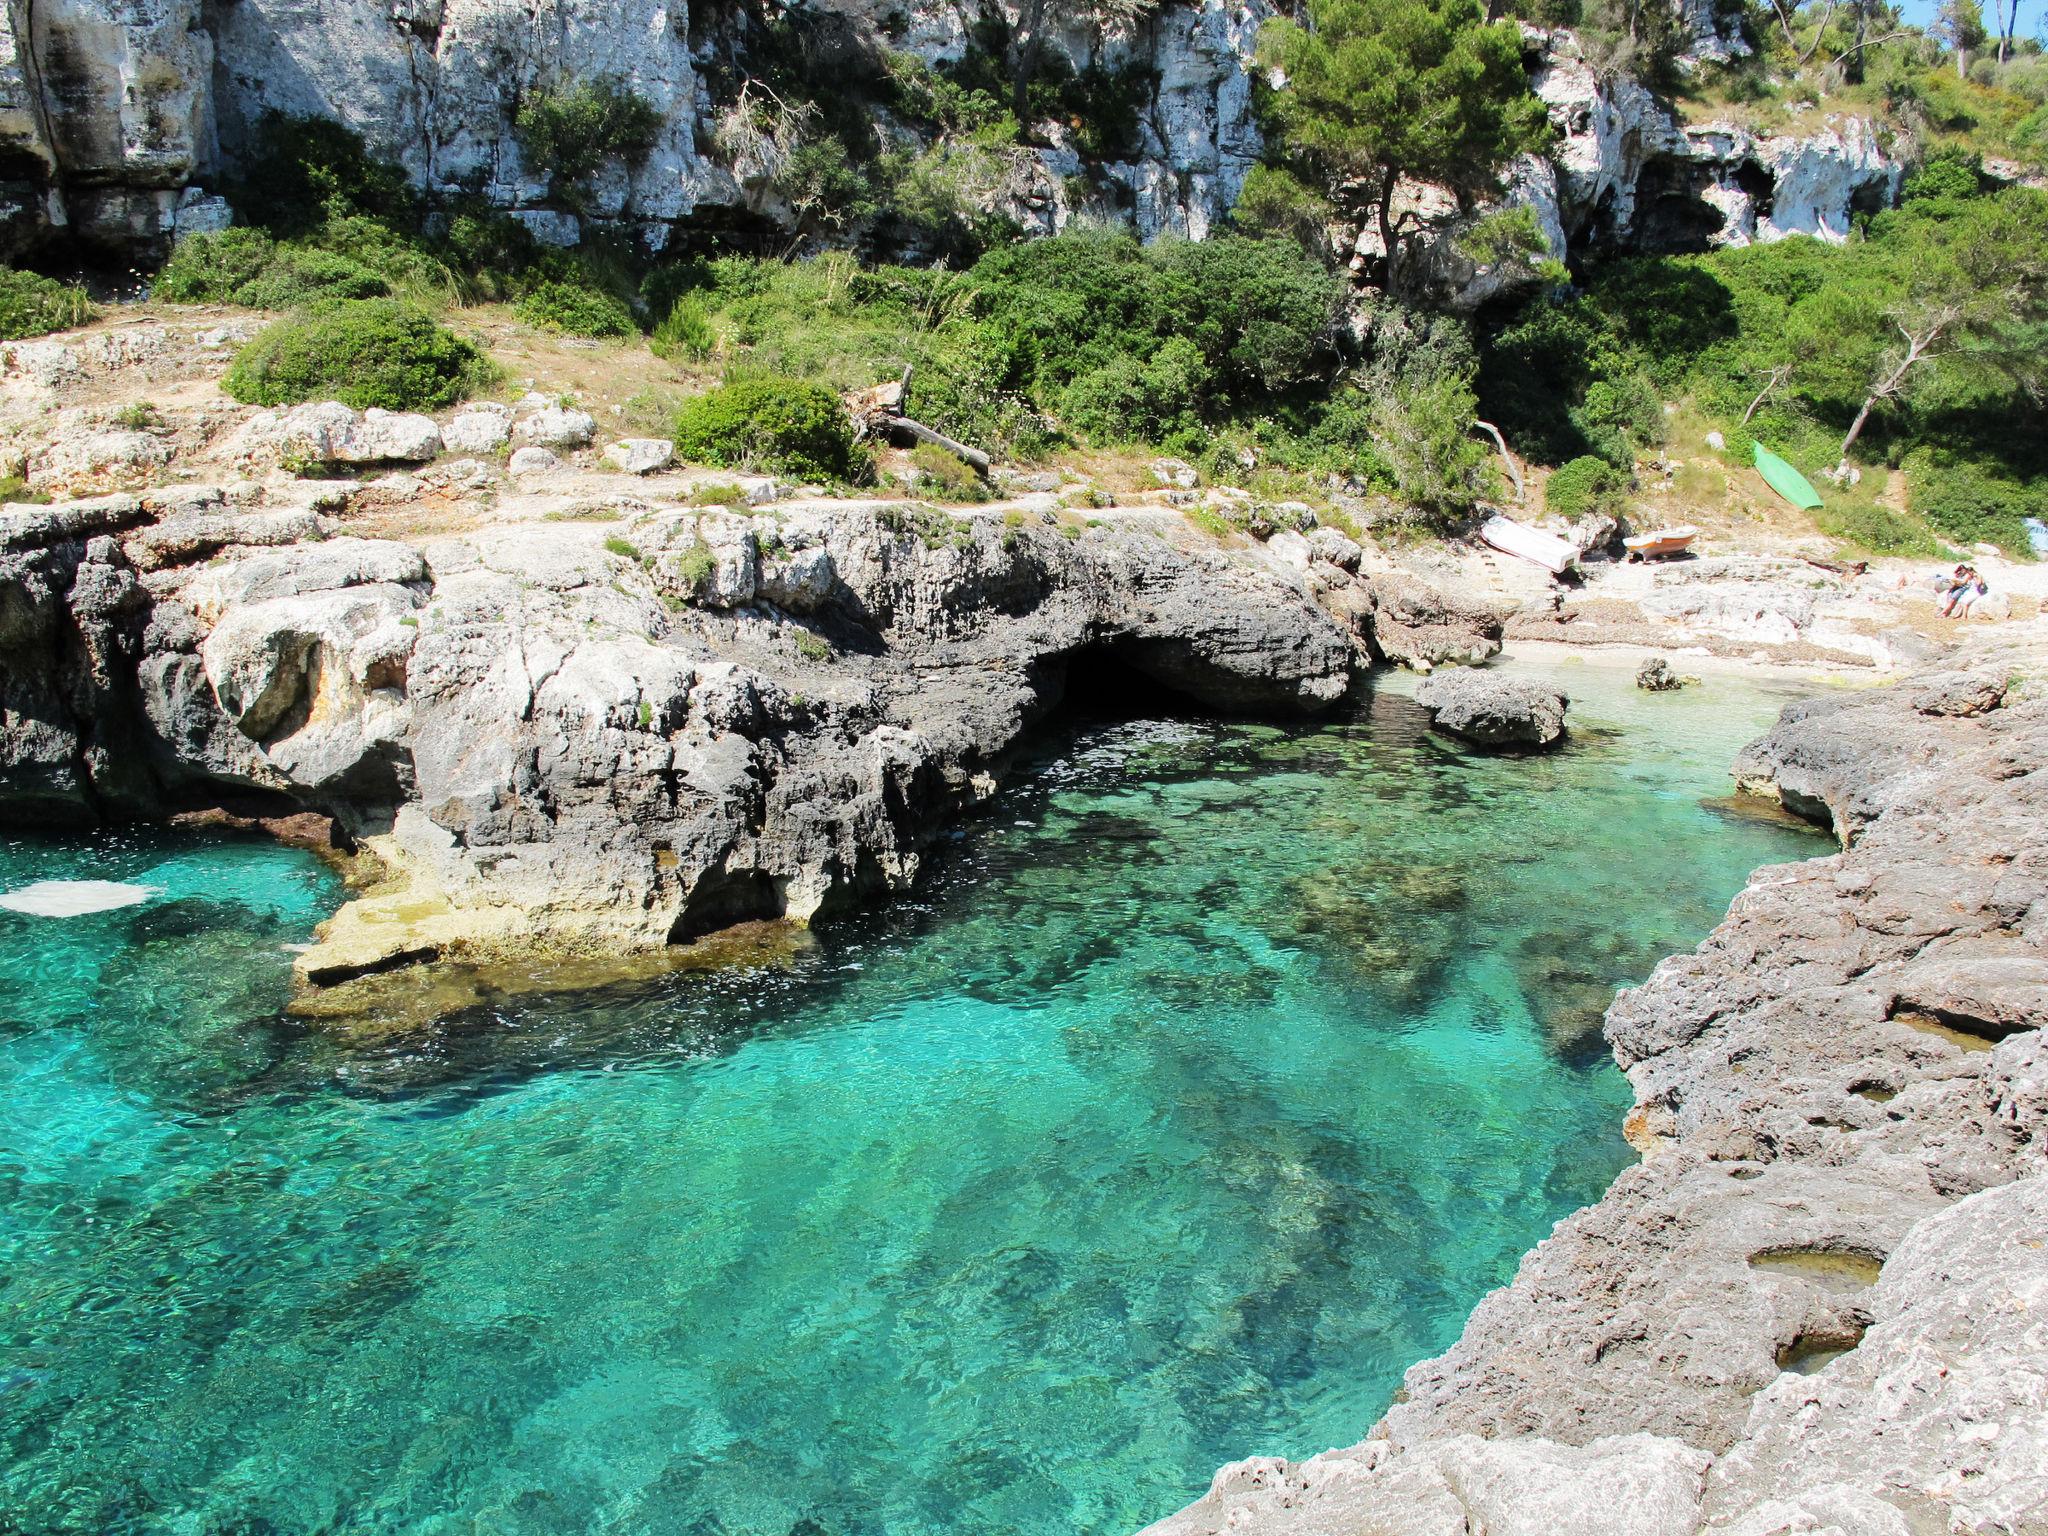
[1209, 1082]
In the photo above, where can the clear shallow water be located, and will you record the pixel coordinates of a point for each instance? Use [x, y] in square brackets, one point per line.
[1209, 1083]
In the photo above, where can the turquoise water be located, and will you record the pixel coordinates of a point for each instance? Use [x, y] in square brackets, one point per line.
[1208, 1083]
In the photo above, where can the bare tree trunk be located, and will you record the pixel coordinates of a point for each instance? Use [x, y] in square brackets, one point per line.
[1778, 376]
[1856, 427]
[1029, 43]
[1388, 180]
[1918, 350]
[1514, 470]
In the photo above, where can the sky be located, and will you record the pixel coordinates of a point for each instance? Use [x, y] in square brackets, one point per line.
[1921, 13]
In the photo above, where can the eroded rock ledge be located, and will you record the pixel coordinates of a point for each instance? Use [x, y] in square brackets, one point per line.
[617, 725]
[1842, 1097]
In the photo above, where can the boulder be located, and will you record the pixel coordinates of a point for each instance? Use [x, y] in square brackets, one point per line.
[97, 458]
[1493, 711]
[554, 427]
[640, 455]
[1656, 676]
[478, 429]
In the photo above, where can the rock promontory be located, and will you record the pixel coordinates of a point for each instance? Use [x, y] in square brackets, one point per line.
[608, 724]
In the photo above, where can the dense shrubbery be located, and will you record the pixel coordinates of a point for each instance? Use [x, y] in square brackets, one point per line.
[786, 425]
[1586, 484]
[576, 309]
[31, 305]
[245, 266]
[571, 132]
[362, 352]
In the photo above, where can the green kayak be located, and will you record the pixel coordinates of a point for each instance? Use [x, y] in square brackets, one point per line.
[1785, 480]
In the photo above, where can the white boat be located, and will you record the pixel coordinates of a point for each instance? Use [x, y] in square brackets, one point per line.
[1555, 555]
[1660, 542]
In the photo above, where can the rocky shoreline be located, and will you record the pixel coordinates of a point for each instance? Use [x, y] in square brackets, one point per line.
[604, 725]
[1818, 1303]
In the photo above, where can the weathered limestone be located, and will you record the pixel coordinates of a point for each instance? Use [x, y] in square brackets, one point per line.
[1820, 1297]
[1493, 711]
[119, 115]
[605, 736]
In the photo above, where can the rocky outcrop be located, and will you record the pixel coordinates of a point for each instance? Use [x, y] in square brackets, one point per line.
[1815, 1305]
[1629, 174]
[1493, 711]
[612, 732]
[119, 116]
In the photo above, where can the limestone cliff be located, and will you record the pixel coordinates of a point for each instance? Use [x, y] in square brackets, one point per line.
[117, 115]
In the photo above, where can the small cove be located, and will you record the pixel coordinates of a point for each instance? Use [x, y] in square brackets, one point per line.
[1208, 1083]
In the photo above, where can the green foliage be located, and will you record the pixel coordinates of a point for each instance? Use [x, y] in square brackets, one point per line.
[786, 425]
[574, 309]
[1877, 530]
[719, 493]
[574, 131]
[1511, 237]
[245, 266]
[1422, 429]
[1379, 89]
[32, 305]
[1974, 500]
[362, 352]
[1274, 202]
[304, 171]
[946, 476]
[624, 548]
[684, 334]
[1798, 337]
[1585, 485]
[1948, 174]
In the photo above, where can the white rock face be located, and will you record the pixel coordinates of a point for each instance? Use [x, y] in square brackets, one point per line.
[1631, 174]
[131, 106]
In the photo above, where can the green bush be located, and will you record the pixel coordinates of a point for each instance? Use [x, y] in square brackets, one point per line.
[305, 171]
[362, 352]
[786, 425]
[1974, 502]
[1877, 530]
[574, 309]
[573, 132]
[685, 334]
[245, 266]
[946, 476]
[31, 305]
[1586, 484]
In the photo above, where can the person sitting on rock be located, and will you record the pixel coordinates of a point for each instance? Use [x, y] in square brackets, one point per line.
[1962, 595]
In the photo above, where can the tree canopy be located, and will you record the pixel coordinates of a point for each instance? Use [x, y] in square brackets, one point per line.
[1376, 90]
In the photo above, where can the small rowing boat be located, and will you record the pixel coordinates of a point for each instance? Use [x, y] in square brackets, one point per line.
[1660, 543]
[1555, 555]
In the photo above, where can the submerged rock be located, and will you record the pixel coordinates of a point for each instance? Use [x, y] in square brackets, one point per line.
[1493, 711]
